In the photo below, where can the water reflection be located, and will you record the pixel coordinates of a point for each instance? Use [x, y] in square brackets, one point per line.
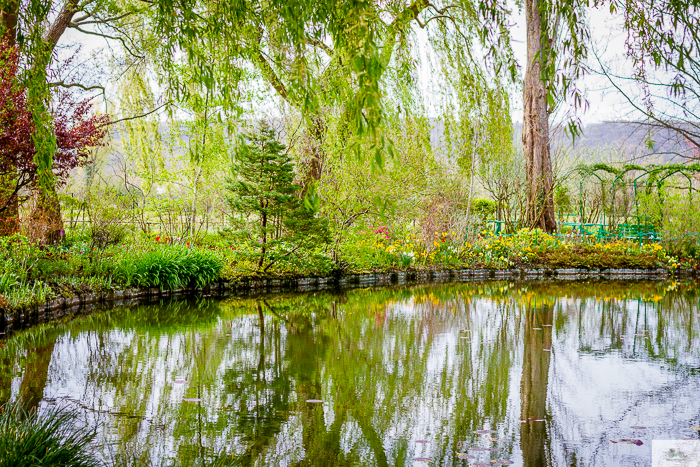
[555, 370]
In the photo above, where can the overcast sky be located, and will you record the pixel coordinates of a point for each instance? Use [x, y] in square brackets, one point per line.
[608, 37]
[609, 40]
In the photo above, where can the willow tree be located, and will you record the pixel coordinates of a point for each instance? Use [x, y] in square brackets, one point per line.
[39, 28]
[663, 43]
[556, 48]
[321, 55]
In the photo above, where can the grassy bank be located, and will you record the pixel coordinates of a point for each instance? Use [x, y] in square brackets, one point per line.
[31, 274]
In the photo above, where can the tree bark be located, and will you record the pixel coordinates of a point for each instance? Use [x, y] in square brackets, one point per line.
[539, 176]
[45, 222]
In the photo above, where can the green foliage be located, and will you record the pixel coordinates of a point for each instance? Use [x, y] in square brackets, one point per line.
[562, 199]
[28, 440]
[264, 195]
[168, 267]
[483, 210]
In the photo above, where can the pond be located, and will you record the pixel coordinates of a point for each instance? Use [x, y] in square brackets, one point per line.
[534, 374]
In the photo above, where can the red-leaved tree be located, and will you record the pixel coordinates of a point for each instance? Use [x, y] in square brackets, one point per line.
[77, 132]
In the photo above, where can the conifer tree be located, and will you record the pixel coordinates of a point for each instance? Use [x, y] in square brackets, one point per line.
[262, 191]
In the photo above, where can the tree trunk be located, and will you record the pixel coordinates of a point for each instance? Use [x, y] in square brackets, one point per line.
[45, 224]
[540, 180]
[9, 218]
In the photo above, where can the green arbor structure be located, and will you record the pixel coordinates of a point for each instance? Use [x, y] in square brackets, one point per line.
[609, 204]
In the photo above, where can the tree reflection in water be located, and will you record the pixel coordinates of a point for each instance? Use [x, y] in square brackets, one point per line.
[537, 351]
[230, 380]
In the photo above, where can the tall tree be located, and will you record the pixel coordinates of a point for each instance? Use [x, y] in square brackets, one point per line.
[38, 27]
[556, 49]
[540, 179]
[75, 129]
[324, 55]
[8, 37]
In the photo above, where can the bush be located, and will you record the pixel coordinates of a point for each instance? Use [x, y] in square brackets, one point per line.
[51, 440]
[169, 267]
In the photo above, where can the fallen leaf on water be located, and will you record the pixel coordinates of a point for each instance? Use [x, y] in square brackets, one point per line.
[695, 428]
[180, 381]
[613, 441]
[192, 399]
[422, 459]
[314, 401]
[422, 441]
[496, 439]
[638, 427]
[503, 462]
[636, 442]
[484, 432]
[462, 455]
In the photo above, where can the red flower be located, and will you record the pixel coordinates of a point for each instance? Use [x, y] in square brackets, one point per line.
[157, 239]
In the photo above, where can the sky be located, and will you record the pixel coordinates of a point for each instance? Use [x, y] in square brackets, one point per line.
[608, 38]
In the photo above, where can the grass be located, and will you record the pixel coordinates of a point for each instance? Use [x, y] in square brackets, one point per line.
[32, 275]
[170, 267]
[27, 439]
[53, 440]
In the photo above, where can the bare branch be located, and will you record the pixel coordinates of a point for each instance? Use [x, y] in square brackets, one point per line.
[81, 21]
[134, 117]
[76, 85]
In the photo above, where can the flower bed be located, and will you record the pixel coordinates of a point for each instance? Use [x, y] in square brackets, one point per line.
[32, 274]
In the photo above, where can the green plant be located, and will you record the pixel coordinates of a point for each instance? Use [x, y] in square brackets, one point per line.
[51, 439]
[262, 188]
[169, 267]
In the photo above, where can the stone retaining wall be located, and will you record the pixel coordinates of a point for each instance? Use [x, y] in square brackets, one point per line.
[88, 302]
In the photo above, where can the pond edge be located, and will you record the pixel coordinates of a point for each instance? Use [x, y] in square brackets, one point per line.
[81, 303]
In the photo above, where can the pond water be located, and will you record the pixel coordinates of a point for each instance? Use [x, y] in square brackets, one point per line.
[560, 372]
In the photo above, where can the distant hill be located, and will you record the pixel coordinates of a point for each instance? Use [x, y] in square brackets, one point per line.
[637, 140]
